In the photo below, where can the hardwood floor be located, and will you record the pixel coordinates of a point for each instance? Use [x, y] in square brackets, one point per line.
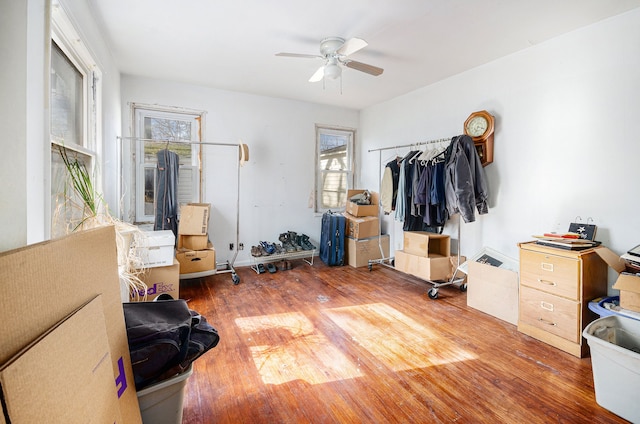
[318, 344]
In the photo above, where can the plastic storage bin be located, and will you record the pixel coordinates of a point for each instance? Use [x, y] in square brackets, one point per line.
[615, 358]
[161, 403]
[598, 306]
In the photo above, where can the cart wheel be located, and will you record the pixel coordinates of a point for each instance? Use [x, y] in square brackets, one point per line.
[235, 279]
[370, 267]
[463, 287]
[433, 293]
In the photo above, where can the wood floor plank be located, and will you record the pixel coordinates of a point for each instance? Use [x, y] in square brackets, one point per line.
[318, 344]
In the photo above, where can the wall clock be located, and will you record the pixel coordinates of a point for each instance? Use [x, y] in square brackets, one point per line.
[479, 126]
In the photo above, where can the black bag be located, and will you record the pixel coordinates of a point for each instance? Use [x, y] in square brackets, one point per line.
[164, 338]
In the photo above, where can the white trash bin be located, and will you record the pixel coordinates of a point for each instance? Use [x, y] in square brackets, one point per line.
[161, 403]
[615, 358]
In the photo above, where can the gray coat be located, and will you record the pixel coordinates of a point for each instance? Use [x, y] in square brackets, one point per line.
[464, 181]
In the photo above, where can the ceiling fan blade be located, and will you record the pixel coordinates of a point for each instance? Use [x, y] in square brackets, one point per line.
[310, 56]
[319, 74]
[363, 67]
[351, 46]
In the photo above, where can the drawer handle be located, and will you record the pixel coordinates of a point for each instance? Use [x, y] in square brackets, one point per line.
[553, 324]
[547, 266]
[547, 282]
[546, 305]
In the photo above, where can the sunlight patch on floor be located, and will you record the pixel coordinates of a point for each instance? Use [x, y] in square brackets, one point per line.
[396, 340]
[287, 347]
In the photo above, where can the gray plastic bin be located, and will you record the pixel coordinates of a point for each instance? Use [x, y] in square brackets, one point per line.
[615, 358]
[161, 403]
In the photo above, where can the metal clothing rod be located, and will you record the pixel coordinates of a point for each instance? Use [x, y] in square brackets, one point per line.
[179, 141]
[440, 140]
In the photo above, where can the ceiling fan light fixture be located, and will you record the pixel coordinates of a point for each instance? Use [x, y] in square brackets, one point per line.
[332, 71]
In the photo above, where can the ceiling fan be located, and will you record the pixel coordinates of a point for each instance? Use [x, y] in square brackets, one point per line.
[335, 51]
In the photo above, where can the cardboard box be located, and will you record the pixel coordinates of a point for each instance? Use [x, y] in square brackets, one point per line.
[628, 284]
[434, 267]
[190, 242]
[194, 219]
[360, 251]
[361, 227]
[49, 280]
[423, 243]
[156, 248]
[65, 376]
[494, 291]
[160, 280]
[363, 210]
[197, 260]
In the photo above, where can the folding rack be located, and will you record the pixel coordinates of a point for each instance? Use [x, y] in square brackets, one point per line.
[221, 267]
[433, 292]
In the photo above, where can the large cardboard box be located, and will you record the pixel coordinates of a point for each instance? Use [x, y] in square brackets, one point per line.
[434, 267]
[194, 219]
[159, 280]
[493, 290]
[360, 251]
[156, 248]
[65, 376]
[189, 242]
[47, 281]
[192, 261]
[361, 227]
[627, 283]
[363, 210]
[423, 243]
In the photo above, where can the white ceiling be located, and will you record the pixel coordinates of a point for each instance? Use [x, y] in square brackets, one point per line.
[231, 44]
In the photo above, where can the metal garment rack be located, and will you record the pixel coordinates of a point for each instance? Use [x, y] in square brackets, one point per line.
[433, 292]
[228, 265]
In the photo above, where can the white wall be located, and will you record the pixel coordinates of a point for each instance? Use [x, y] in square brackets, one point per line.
[566, 139]
[276, 183]
[22, 107]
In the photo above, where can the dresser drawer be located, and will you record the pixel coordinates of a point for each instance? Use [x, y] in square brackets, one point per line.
[550, 313]
[553, 274]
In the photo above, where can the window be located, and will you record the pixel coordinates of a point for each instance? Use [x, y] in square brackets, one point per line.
[74, 113]
[156, 130]
[334, 164]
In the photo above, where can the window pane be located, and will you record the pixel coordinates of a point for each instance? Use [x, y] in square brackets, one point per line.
[334, 189]
[66, 99]
[333, 152]
[66, 206]
[149, 189]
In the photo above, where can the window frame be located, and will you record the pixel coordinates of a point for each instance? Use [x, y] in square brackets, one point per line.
[138, 113]
[88, 142]
[319, 172]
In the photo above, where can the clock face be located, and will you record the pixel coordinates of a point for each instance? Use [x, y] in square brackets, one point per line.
[477, 126]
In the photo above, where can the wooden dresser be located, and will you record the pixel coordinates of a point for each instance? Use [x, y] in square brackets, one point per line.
[556, 286]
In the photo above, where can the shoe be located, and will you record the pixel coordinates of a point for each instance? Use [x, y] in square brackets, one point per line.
[293, 240]
[269, 248]
[286, 243]
[271, 267]
[256, 251]
[261, 269]
[306, 244]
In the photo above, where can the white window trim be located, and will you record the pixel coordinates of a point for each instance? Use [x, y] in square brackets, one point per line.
[329, 129]
[137, 113]
[65, 35]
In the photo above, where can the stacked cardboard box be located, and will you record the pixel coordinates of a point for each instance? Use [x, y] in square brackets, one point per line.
[425, 255]
[161, 272]
[363, 241]
[195, 253]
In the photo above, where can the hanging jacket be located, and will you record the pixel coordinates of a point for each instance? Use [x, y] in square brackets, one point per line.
[465, 185]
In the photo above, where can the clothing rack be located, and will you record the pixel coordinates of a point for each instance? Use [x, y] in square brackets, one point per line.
[433, 292]
[228, 265]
